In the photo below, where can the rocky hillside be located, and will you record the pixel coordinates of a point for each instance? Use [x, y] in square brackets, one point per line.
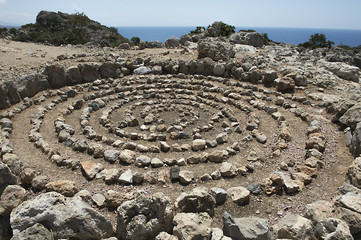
[62, 28]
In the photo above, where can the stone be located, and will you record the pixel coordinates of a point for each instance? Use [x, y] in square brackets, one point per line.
[65, 218]
[6, 176]
[64, 187]
[126, 177]
[142, 161]
[39, 182]
[174, 173]
[198, 144]
[312, 172]
[317, 211]
[55, 75]
[269, 76]
[156, 163]
[333, 228]
[255, 189]
[228, 170]
[144, 217]
[245, 228]
[164, 147]
[73, 75]
[138, 178]
[222, 138]
[216, 156]
[127, 156]
[192, 226]
[352, 116]
[254, 39]
[10, 197]
[15, 164]
[261, 138]
[216, 175]
[197, 200]
[165, 236]
[219, 194]
[219, 70]
[37, 231]
[124, 46]
[290, 185]
[186, 176]
[215, 49]
[285, 84]
[172, 42]
[99, 199]
[354, 173]
[239, 195]
[114, 199]
[89, 72]
[91, 169]
[293, 226]
[355, 145]
[342, 70]
[142, 70]
[27, 176]
[111, 155]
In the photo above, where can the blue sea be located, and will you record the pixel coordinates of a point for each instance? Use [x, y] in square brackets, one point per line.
[285, 35]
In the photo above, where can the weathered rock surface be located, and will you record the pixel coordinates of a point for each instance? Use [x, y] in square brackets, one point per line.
[144, 217]
[66, 218]
[197, 200]
[245, 228]
[293, 226]
[354, 172]
[215, 49]
[192, 226]
[37, 231]
[249, 38]
[333, 228]
[10, 197]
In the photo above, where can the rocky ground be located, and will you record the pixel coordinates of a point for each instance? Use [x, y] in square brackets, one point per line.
[208, 138]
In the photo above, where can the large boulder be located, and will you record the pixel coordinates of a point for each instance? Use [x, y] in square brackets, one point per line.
[333, 228]
[354, 172]
[109, 70]
[6, 176]
[172, 42]
[293, 226]
[30, 85]
[251, 228]
[348, 209]
[248, 38]
[36, 231]
[65, 218]
[4, 99]
[192, 226]
[342, 70]
[144, 217]
[10, 197]
[352, 116]
[154, 44]
[89, 72]
[216, 49]
[55, 75]
[285, 84]
[355, 146]
[197, 200]
[73, 75]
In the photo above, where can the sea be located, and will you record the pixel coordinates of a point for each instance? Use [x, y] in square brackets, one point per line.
[285, 35]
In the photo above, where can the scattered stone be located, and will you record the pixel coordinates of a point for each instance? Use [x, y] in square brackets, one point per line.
[91, 169]
[142, 70]
[114, 199]
[333, 228]
[216, 156]
[219, 194]
[126, 177]
[239, 195]
[39, 182]
[142, 161]
[222, 138]
[127, 156]
[111, 155]
[186, 176]
[255, 189]
[198, 144]
[174, 173]
[64, 187]
[317, 211]
[228, 170]
[99, 200]
[10, 197]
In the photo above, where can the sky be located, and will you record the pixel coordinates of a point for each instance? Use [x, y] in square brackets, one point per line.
[335, 14]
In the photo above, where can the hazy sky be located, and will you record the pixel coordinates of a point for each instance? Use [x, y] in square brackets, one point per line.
[260, 13]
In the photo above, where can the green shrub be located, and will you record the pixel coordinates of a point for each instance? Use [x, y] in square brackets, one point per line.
[135, 40]
[198, 30]
[227, 30]
[13, 31]
[317, 40]
[3, 30]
